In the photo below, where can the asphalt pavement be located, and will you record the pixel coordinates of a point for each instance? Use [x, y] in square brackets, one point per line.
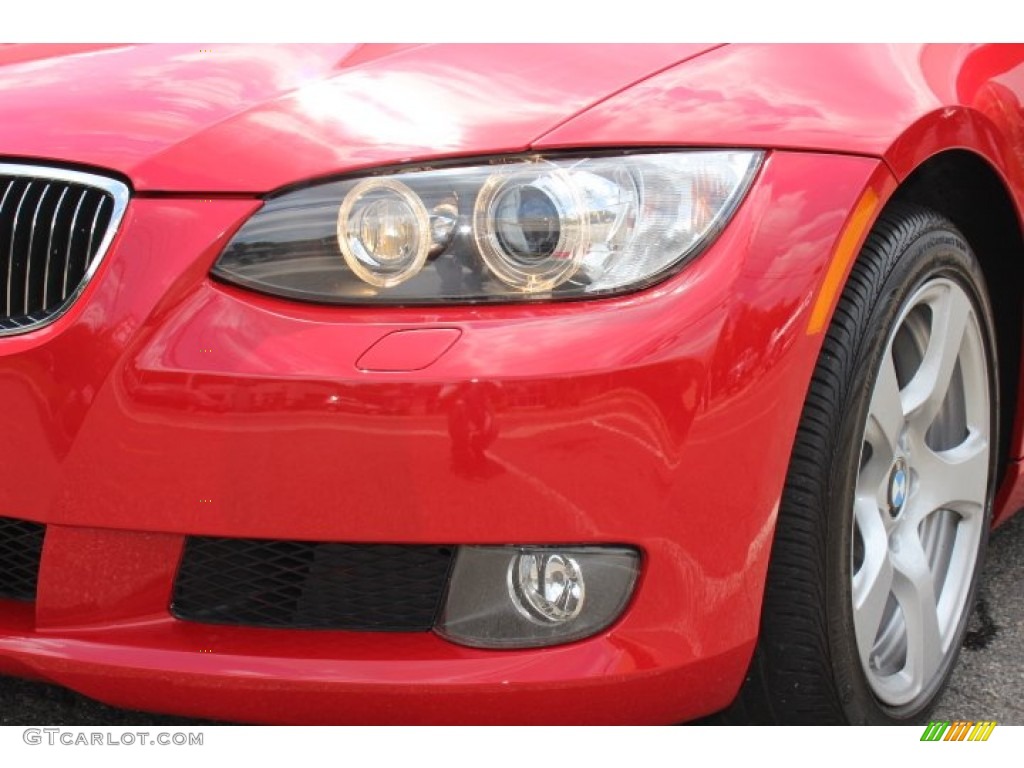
[987, 685]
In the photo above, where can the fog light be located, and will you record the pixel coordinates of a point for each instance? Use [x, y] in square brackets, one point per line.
[546, 587]
[523, 597]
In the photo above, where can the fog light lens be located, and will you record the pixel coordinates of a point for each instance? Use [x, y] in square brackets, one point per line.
[546, 587]
[525, 597]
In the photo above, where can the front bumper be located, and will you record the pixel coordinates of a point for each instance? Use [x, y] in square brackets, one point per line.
[164, 405]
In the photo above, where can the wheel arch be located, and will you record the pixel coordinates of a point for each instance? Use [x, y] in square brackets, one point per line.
[966, 188]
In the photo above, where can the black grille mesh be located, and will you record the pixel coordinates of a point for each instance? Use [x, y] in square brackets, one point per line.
[309, 585]
[21, 545]
[50, 232]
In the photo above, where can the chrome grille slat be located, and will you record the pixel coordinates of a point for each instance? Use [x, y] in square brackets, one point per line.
[46, 215]
[10, 254]
[71, 239]
[31, 244]
[95, 218]
[3, 201]
[49, 244]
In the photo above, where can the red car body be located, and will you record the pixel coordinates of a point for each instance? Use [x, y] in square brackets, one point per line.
[165, 404]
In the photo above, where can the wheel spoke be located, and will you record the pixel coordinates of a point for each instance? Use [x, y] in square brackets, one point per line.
[885, 411]
[953, 479]
[872, 583]
[872, 527]
[914, 588]
[924, 394]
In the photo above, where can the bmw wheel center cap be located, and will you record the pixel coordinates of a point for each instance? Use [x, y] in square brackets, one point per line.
[899, 486]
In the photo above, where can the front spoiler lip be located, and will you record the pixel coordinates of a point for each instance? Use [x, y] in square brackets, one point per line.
[419, 683]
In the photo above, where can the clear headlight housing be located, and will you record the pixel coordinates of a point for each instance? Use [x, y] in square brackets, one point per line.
[528, 228]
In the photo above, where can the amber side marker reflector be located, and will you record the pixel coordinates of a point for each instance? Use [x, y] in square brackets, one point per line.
[843, 256]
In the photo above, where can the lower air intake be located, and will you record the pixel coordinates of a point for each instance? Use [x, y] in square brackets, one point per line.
[310, 585]
[21, 546]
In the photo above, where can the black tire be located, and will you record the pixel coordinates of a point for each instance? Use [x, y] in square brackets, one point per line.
[806, 667]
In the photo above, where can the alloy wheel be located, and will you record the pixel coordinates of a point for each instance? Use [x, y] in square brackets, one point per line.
[921, 493]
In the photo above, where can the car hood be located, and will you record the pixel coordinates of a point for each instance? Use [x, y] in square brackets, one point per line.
[250, 119]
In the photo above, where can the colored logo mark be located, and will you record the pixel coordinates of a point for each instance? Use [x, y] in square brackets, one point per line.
[958, 730]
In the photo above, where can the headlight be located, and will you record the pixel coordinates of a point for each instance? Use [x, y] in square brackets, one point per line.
[524, 228]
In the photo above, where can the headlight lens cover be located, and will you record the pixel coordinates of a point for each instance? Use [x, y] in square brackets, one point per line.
[535, 228]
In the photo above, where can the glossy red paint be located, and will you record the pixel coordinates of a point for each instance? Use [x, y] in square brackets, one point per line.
[408, 350]
[903, 103]
[165, 404]
[253, 118]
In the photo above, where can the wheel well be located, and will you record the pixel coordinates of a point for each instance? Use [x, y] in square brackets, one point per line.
[963, 187]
